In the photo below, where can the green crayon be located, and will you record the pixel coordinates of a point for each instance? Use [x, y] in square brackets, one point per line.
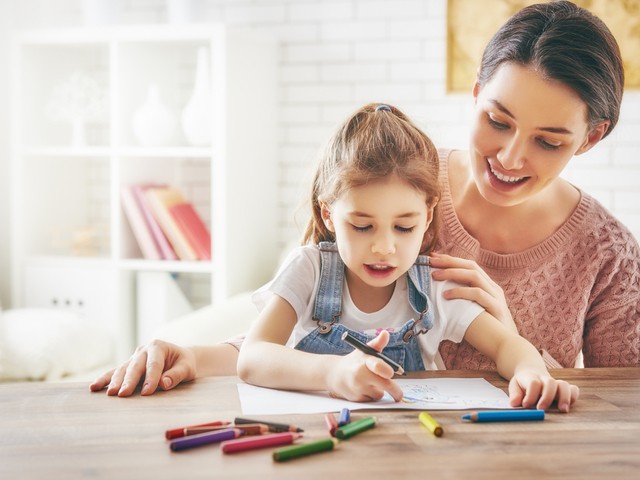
[353, 428]
[303, 449]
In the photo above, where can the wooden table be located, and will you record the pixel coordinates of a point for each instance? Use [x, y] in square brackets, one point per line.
[62, 431]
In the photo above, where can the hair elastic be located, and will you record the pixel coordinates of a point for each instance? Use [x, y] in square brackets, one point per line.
[383, 107]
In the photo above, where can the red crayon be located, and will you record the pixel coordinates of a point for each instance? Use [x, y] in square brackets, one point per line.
[260, 441]
[332, 424]
[181, 432]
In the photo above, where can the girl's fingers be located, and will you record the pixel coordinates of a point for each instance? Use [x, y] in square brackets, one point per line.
[102, 381]
[516, 393]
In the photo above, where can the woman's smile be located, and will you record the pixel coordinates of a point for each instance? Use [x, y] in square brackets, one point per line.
[503, 181]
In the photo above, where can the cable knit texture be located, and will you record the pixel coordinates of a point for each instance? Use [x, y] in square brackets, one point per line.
[577, 290]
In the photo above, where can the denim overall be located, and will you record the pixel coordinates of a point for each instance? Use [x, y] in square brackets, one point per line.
[403, 346]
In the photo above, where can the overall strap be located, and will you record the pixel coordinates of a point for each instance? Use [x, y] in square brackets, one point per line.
[328, 303]
[419, 286]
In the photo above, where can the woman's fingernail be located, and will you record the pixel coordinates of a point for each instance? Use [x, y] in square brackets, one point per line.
[166, 382]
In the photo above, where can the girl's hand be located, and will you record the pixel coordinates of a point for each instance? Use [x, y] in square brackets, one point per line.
[359, 377]
[158, 363]
[529, 390]
[476, 285]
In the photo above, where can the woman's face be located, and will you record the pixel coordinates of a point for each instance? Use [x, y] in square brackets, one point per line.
[526, 129]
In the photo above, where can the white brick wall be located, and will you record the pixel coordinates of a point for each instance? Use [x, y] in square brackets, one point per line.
[338, 54]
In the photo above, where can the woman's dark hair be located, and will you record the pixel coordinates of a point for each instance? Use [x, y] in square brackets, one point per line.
[565, 43]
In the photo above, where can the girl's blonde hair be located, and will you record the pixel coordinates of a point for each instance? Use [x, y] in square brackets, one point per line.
[375, 142]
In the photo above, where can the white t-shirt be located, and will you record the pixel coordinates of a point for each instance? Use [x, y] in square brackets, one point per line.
[297, 282]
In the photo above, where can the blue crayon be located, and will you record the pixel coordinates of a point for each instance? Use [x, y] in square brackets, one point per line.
[344, 418]
[505, 416]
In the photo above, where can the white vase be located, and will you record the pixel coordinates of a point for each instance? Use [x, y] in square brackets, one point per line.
[197, 114]
[153, 123]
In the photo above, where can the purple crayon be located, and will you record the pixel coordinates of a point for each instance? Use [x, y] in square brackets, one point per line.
[204, 439]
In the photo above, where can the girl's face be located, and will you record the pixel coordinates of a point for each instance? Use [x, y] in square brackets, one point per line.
[526, 129]
[379, 228]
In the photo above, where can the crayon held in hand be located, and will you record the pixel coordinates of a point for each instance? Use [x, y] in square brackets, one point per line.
[505, 416]
[364, 348]
[303, 449]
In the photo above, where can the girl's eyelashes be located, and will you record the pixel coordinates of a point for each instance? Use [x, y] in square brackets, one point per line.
[366, 228]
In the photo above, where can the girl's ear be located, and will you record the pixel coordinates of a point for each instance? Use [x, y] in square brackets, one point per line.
[594, 136]
[430, 209]
[326, 217]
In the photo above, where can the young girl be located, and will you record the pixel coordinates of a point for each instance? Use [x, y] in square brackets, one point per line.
[374, 200]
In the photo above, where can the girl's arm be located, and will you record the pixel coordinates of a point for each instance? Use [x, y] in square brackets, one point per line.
[516, 359]
[163, 365]
[266, 361]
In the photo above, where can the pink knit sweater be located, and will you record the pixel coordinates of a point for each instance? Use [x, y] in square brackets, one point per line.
[577, 290]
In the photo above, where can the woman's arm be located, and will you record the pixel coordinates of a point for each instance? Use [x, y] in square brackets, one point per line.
[266, 361]
[476, 285]
[516, 359]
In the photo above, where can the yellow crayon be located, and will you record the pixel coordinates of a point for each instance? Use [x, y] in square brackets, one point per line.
[431, 424]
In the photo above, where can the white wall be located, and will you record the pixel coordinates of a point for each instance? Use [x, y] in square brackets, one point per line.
[336, 55]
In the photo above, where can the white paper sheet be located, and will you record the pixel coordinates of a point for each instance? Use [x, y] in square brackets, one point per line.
[420, 394]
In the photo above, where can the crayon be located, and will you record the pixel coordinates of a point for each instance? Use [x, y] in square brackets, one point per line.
[180, 432]
[344, 417]
[259, 441]
[433, 426]
[364, 348]
[194, 430]
[200, 439]
[303, 449]
[505, 416]
[356, 427]
[273, 427]
[247, 429]
[332, 424]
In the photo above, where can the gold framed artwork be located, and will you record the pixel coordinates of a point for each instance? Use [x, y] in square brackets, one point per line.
[471, 23]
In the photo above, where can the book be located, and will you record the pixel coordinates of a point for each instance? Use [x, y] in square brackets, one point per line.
[159, 200]
[193, 227]
[166, 250]
[141, 232]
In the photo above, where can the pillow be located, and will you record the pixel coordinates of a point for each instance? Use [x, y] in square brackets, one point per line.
[47, 344]
[211, 324]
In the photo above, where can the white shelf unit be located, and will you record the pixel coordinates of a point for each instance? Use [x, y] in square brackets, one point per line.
[72, 246]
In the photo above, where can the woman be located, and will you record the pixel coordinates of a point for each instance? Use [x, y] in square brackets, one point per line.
[516, 236]
[568, 270]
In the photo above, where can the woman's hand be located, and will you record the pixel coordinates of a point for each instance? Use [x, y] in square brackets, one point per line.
[531, 390]
[359, 377]
[476, 285]
[158, 364]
